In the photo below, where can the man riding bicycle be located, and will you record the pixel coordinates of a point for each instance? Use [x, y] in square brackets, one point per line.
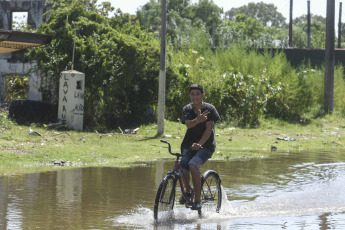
[199, 118]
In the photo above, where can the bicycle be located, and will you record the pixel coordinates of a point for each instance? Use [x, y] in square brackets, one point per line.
[211, 195]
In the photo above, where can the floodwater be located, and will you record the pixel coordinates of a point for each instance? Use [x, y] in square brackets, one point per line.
[296, 190]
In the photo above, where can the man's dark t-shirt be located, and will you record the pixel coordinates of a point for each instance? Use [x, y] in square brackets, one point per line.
[193, 135]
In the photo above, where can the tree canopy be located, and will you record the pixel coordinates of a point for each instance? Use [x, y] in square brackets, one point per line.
[267, 13]
[182, 17]
[121, 61]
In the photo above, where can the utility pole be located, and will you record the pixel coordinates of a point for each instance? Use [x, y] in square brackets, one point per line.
[339, 24]
[309, 46]
[290, 24]
[162, 71]
[329, 58]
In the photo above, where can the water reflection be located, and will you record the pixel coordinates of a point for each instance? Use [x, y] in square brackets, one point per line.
[286, 191]
[76, 198]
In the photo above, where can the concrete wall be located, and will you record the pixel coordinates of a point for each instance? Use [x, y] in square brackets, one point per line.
[316, 57]
[15, 63]
[21, 69]
[35, 10]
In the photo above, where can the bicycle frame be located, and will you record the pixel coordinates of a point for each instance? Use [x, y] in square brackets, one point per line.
[177, 171]
[211, 194]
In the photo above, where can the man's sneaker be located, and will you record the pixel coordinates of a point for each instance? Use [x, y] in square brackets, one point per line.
[196, 206]
[183, 200]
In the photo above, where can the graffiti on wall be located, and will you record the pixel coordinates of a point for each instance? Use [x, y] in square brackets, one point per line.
[64, 98]
[77, 99]
[79, 96]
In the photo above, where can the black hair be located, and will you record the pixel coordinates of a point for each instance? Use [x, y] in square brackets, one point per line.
[196, 86]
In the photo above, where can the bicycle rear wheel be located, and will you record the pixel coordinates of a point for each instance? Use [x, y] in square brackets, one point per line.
[165, 198]
[211, 193]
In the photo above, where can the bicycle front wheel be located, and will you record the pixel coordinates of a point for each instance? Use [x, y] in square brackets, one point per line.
[165, 198]
[211, 193]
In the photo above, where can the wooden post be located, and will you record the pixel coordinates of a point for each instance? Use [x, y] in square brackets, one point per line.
[162, 72]
[329, 58]
[290, 24]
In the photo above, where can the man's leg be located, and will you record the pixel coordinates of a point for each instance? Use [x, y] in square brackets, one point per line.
[185, 177]
[194, 166]
[196, 181]
[184, 166]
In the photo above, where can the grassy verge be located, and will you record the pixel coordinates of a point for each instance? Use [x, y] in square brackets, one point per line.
[21, 152]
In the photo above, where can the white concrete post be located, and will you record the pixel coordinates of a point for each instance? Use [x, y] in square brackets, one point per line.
[71, 99]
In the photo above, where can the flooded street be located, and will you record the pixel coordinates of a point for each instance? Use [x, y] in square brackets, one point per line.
[296, 190]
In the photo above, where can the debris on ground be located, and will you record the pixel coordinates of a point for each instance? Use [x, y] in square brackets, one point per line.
[31, 132]
[120, 129]
[286, 139]
[130, 131]
[61, 162]
[56, 125]
[105, 135]
[331, 143]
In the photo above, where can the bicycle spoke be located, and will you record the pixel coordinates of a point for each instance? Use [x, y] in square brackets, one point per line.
[165, 198]
[211, 193]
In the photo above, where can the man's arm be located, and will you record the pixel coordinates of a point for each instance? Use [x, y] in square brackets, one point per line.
[201, 117]
[205, 136]
[192, 123]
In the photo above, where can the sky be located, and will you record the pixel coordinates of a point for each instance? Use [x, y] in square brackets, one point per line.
[317, 7]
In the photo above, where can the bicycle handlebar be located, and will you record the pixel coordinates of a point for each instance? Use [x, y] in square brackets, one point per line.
[175, 154]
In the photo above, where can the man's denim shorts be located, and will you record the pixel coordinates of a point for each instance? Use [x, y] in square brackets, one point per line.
[195, 158]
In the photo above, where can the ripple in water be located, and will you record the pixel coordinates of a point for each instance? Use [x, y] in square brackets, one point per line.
[318, 197]
[142, 217]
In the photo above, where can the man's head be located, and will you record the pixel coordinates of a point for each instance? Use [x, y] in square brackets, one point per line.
[197, 87]
[196, 94]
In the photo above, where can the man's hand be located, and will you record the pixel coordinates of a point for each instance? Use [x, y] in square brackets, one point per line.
[196, 146]
[202, 117]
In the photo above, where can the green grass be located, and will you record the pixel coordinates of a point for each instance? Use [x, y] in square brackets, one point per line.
[23, 153]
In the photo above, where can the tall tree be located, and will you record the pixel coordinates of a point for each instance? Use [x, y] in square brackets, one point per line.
[177, 5]
[208, 12]
[181, 17]
[149, 15]
[267, 13]
[249, 26]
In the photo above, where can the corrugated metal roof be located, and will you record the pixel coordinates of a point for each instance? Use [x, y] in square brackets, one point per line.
[11, 41]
